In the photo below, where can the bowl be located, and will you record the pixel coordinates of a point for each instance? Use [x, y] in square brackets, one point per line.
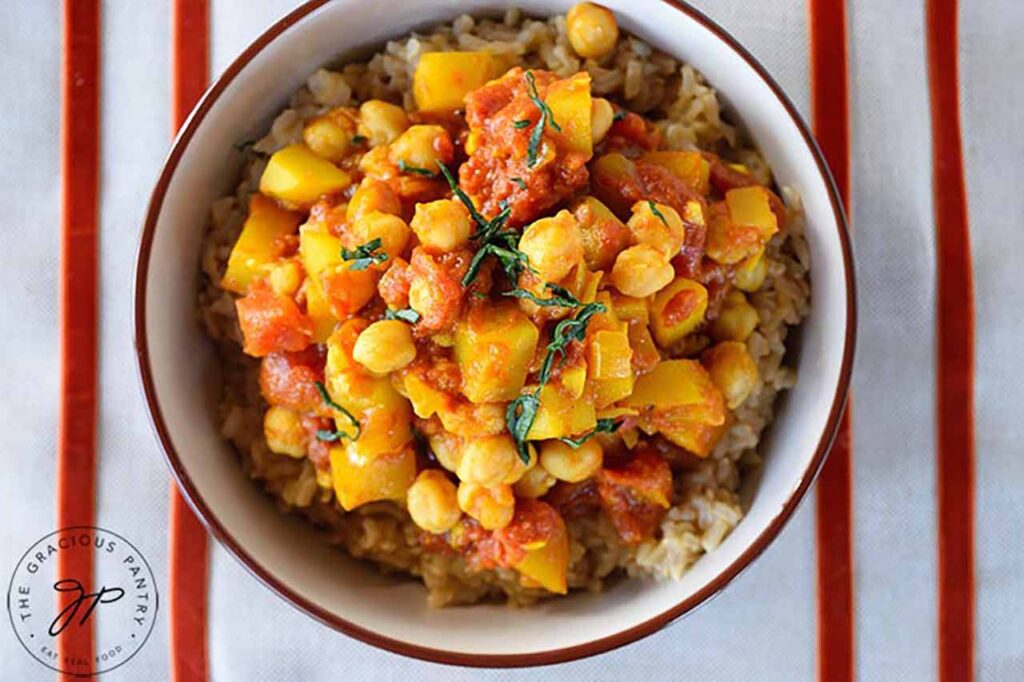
[177, 361]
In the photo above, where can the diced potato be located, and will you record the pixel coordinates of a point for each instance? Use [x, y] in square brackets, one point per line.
[733, 371]
[320, 253]
[751, 207]
[677, 310]
[360, 478]
[299, 177]
[570, 104]
[443, 79]
[318, 250]
[542, 533]
[609, 355]
[691, 167]
[737, 319]
[464, 418]
[256, 246]
[693, 435]
[426, 399]
[630, 309]
[385, 428]
[574, 379]
[608, 391]
[494, 347]
[680, 384]
[604, 235]
[340, 345]
[560, 416]
[319, 311]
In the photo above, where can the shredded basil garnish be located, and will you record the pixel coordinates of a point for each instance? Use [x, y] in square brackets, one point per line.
[332, 436]
[546, 118]
[602, 426]
[406, 168]
[360, 139]
[405, 315]
[364, 256]
[618, 115]
[560, 297]
[519, 125]
[656, 211]
[520, 182]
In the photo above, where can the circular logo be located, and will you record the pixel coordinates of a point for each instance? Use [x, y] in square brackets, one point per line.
[50, 605]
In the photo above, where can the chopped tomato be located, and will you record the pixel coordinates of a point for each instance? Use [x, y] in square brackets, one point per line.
[574, 500]
[272, 323]
[319, 451]
[502, 117]
[435, 289]
[636, 496]
[393, 286]
[289, 379]
[632, 131]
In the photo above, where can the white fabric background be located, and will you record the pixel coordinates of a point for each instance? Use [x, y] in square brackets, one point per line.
[763, 626]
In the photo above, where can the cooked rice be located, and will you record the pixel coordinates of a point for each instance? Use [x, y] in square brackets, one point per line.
[706, 505]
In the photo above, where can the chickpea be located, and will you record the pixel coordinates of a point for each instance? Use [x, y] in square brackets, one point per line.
[422, 146]
[391, 230]
[493, 507]
[521, 468]
[733, 371]
[284, 432]
[447, 449]
[553, 246]
[592, 30]
[601, 118]
[489, 460]
[441, 225]
[658, 225]
[752, 272]
[372, 195]
[433, 502]
[571, 464]
[535, 483]
[641, 270]
[329, 136]
[737, 319]
[381, 122]
[384, 346]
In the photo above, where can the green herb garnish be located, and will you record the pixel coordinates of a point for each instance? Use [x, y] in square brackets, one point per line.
[405, 315]
[656, 211]
[519, 125]
[327, 434]
[520, 182]
[406, 168]
[618, 115]
[546, 118]
[602, 426]
[560, 297]
[364, 256]
[521, 412]
[494, 240]
[360, 139]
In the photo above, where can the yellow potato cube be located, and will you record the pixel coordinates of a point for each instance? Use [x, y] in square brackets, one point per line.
[494, 348]
[751, 207]
[560, 416]
[604, 235]
[737, 319]
[299, 177]
[677, 310]
[680, 384]
[547, 563]
[609, 355]
[256, 246]
[733, 371]
[691, 167]
[443, 79]
[426, 399]
[751, 273]
[360, 478]
[570, 104]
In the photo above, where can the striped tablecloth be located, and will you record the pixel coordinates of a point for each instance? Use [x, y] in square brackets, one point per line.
[907, 563]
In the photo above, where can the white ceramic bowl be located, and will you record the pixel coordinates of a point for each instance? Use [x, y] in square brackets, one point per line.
[177, 361]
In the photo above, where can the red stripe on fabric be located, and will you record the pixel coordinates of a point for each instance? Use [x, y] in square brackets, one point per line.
[76, 440]
[955, 353]
[189, 550]
[830, 110]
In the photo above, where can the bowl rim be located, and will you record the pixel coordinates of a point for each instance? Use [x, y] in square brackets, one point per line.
[547, 657]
